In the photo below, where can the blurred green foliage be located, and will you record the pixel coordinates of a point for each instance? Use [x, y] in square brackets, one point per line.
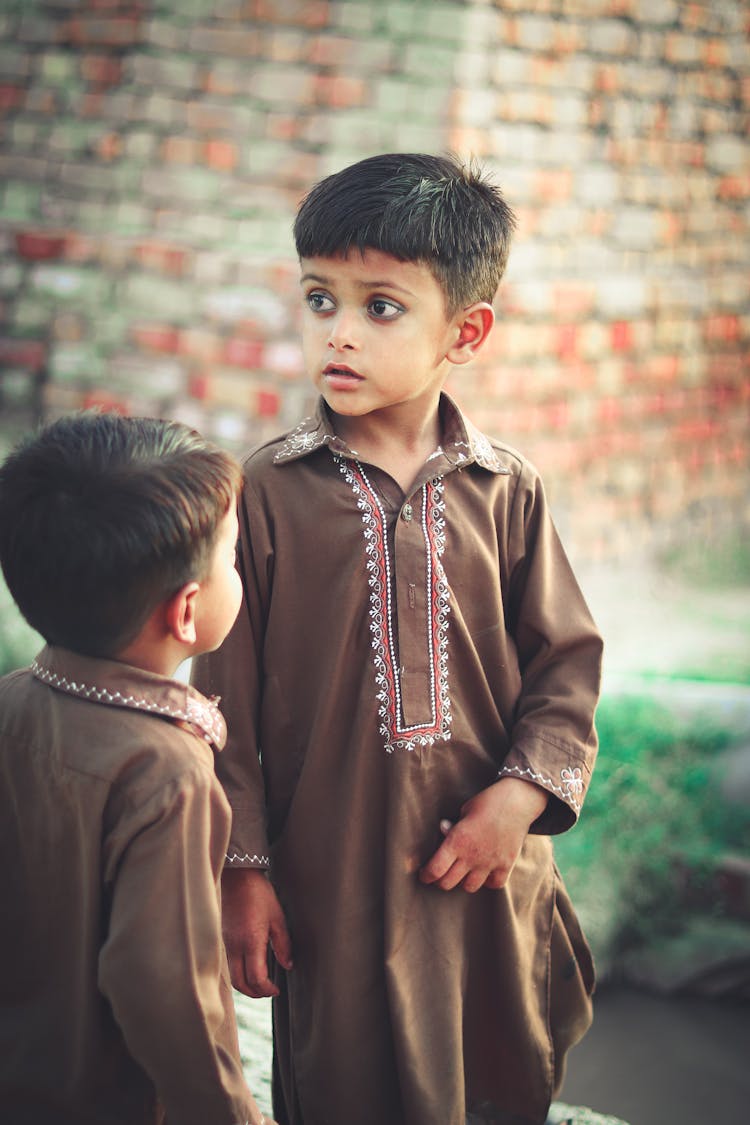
[654, 812]
[18, 641]
[710, 561]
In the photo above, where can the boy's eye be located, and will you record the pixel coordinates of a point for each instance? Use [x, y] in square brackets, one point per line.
[384, 310]
[320, 302]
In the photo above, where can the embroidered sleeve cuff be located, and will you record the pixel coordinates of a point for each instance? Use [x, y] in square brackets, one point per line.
[248, 843]
[246, 859]
[565, 779]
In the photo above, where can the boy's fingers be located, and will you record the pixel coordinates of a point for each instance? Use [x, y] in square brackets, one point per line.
[281, 945]
[237, 972]
[438, 865]
[257, 981]
[475, 880]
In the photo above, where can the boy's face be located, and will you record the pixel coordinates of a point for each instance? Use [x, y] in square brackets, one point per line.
[375, 333]
[221, 590]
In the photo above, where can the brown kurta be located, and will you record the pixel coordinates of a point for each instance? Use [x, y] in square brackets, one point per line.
[115, 1002]
[395, 655]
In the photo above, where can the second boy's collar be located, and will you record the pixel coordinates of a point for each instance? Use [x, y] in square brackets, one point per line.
[114, 684]
[462, 443]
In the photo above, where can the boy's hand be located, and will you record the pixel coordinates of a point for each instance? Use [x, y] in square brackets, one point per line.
[481, 848]
[251, 918]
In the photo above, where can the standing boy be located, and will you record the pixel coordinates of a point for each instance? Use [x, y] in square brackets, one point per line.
[410, 689]
[117, 541]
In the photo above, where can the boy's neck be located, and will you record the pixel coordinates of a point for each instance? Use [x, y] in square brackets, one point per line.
[399, 445]
[161, 659]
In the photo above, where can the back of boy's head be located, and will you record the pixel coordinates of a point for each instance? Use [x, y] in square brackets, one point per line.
[419, 208]
[102, 518]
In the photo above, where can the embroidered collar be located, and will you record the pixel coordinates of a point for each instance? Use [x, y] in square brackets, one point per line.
[462, 444]
[121, 685]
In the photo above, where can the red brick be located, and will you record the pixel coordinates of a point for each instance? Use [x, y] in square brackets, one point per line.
[267, 403]
[109, 146]
[329, 50]
[556, 415]
[100, 399]
[10, 96]
[610, 410]
[339, 91]
[101, 31]
[622, 336]
[157, 337]
[240, 351]
[566, 341]
[222, 155]
[198, 387]
[101, 71]
[162, 258]
[40, 246]
[721, 327]
[181, 150]
[296, 13]
[665, 368]
[27, 354]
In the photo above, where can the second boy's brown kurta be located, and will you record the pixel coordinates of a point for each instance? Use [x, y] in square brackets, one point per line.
[115, 1001]
[395, 655]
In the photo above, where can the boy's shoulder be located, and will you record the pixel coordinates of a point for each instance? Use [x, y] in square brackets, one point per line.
[65, 702]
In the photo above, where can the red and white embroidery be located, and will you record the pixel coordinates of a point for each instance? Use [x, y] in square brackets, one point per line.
[396, 735]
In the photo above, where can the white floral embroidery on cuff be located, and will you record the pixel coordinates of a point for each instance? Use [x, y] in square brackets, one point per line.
[572, 781]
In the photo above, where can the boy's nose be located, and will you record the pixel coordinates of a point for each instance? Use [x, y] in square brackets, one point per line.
[343, 332]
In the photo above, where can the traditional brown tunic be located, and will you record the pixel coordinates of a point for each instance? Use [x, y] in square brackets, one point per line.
[395, 655]
[115, 1003]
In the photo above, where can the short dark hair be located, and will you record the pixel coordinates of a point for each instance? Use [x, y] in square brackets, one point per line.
[102, 517]
[432, 209]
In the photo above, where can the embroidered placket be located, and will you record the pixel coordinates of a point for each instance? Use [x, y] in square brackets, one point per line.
[395, 732]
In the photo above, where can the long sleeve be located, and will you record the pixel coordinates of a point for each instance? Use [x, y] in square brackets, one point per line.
[559, 650]
[234, 673]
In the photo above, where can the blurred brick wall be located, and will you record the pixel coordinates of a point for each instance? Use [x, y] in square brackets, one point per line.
[152, 155]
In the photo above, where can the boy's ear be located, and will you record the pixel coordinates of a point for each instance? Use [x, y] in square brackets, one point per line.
[474, 325]
[180, 611]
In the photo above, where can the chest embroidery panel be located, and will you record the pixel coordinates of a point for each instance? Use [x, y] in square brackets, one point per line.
[396, 734]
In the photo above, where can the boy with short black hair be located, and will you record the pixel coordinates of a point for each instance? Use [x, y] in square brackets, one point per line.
[117, 541]
[410, 690]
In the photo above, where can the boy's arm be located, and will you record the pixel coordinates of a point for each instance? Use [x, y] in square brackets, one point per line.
[559, 650]
[162, 965]
[251, 914]
[543, 777]
[233, 674]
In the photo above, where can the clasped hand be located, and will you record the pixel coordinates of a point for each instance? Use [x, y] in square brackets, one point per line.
[481, 848]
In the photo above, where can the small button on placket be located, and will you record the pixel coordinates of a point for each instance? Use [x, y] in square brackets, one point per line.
[407, 513]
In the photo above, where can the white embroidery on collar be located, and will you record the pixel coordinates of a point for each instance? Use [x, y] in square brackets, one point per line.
[203, 714]
[303, 439]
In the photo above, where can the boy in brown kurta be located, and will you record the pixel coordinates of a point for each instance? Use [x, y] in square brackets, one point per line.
[117, 540]
[410, 690]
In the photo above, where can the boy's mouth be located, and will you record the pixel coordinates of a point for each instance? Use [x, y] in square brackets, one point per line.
[336, 372]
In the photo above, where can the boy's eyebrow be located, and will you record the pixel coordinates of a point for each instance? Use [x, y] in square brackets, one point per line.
[367, 284]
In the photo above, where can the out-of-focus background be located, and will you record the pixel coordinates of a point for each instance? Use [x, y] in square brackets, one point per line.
[152, 155]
